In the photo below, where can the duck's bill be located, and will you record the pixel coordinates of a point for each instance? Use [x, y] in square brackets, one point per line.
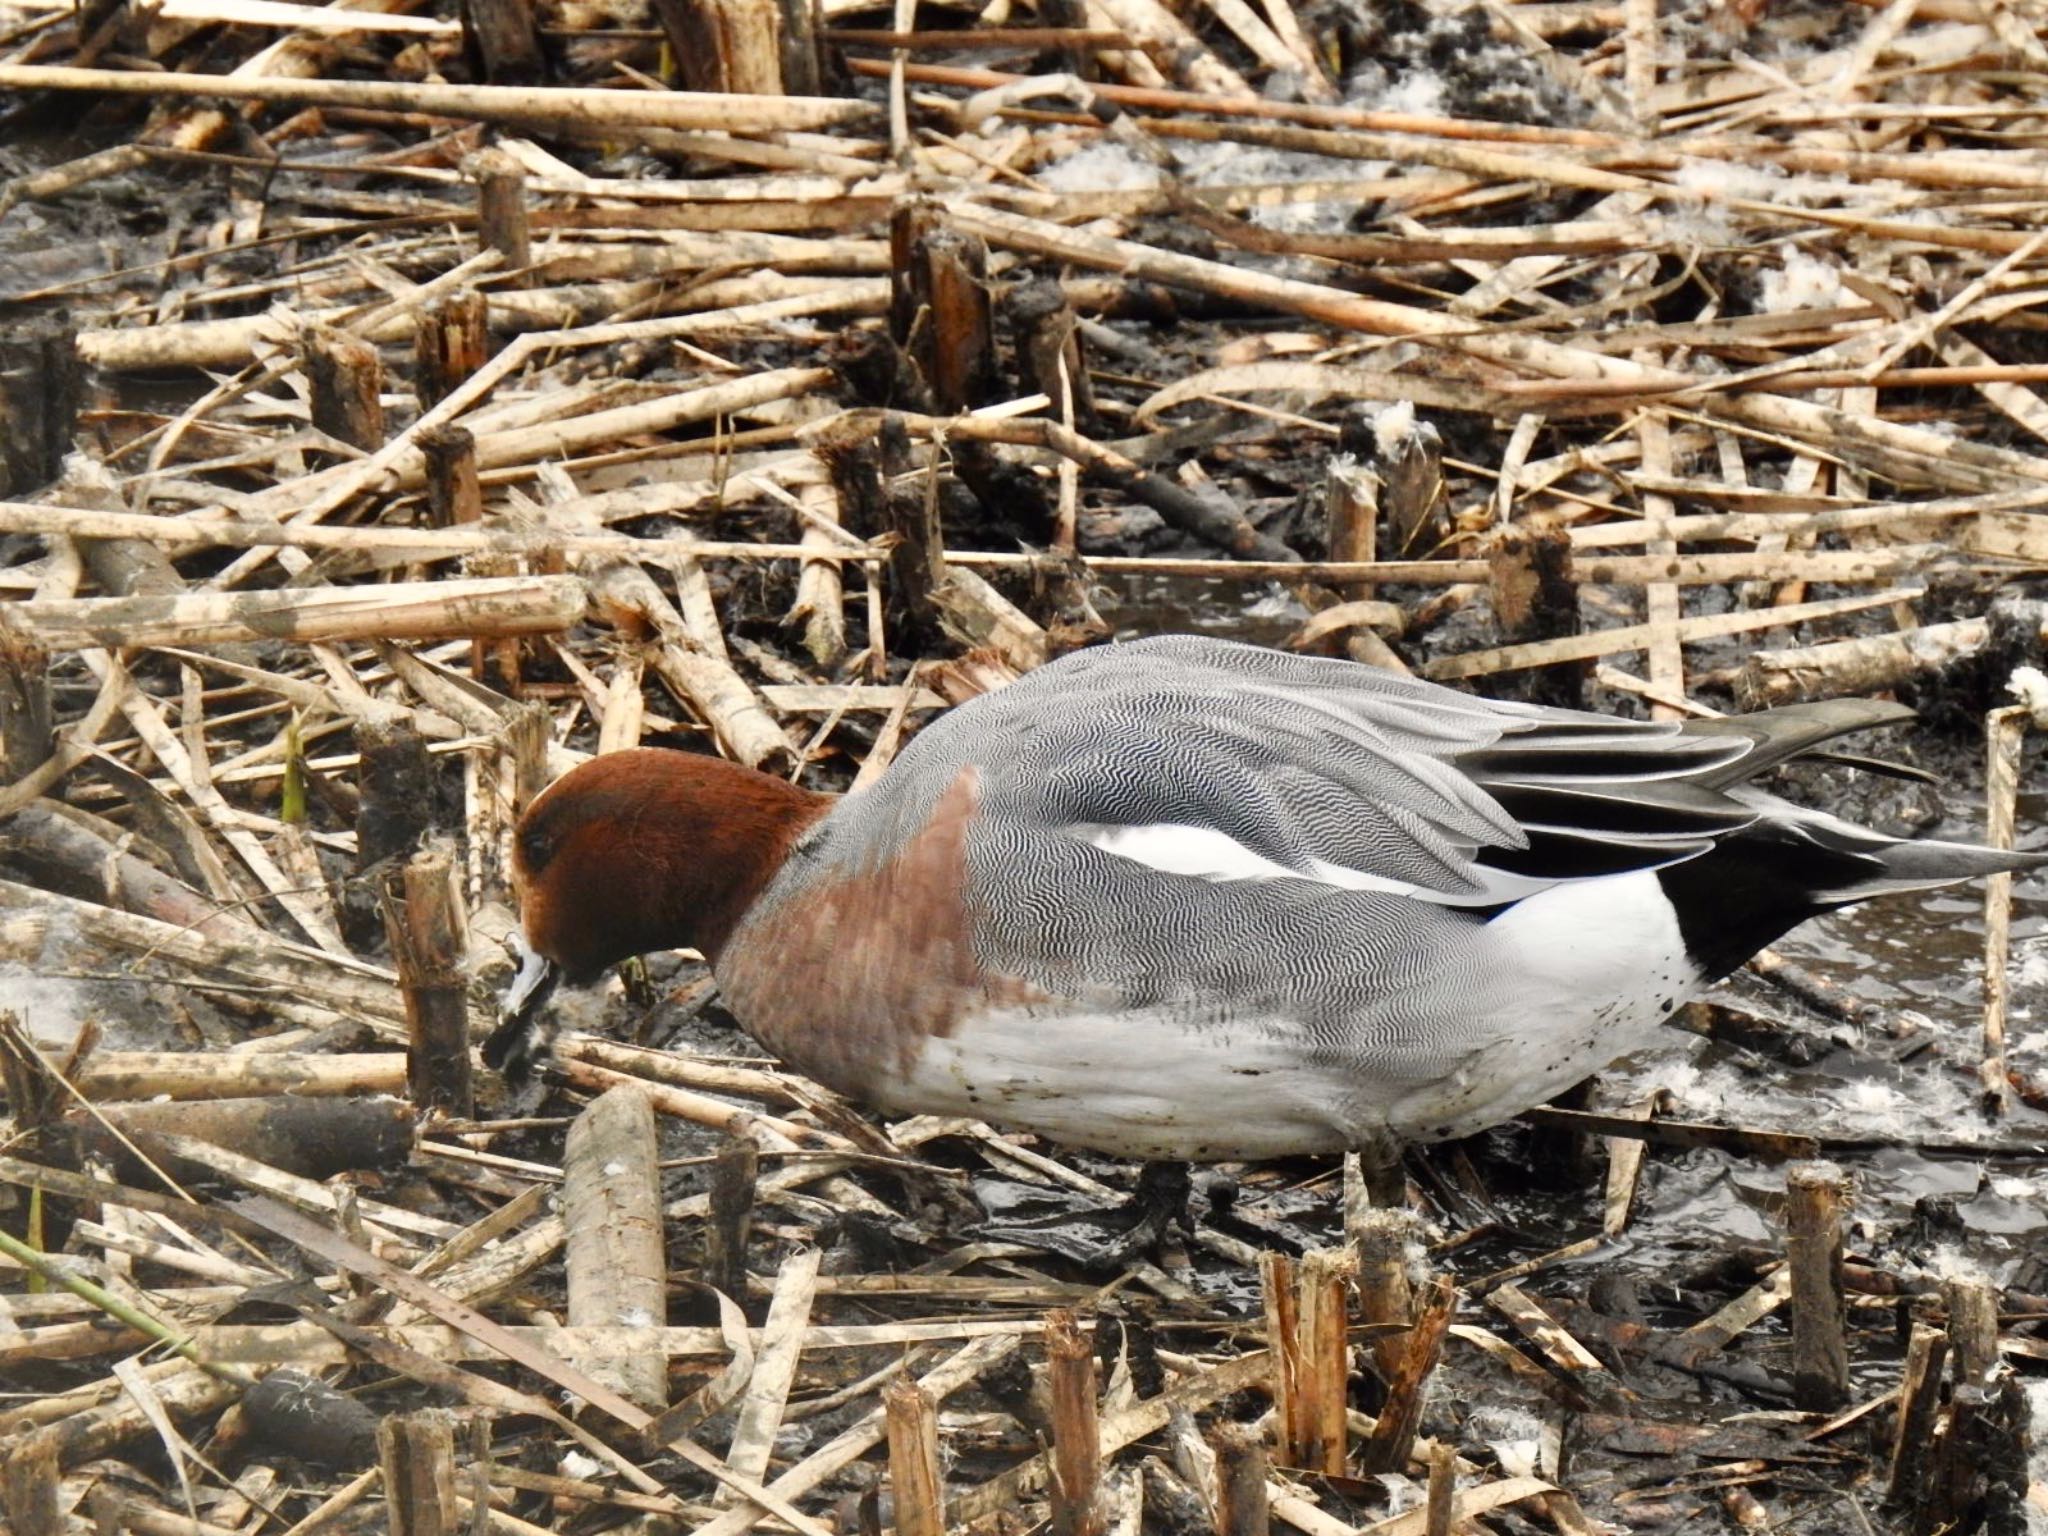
[511, 1045]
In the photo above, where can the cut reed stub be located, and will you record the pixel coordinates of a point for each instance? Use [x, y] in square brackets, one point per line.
[1815, 1195]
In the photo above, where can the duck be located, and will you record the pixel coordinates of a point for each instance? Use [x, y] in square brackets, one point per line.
[1185, 899]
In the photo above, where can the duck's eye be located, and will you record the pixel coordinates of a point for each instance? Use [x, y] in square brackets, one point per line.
[536, 847]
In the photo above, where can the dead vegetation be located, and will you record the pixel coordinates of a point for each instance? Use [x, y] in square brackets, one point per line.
[1677, 359]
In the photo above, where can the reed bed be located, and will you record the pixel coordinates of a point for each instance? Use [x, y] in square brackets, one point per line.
[402, 406]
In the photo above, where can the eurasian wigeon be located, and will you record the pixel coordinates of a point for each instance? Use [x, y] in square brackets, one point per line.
[1189, 899]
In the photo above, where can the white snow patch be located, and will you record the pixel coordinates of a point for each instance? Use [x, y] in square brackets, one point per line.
[1950, 1263]
[1724, 178]
[1104, 166]
[1418, 91]
[1871, 1098]
[1515, 1436]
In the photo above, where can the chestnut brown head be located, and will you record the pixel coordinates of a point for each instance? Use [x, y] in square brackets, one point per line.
[638, 851]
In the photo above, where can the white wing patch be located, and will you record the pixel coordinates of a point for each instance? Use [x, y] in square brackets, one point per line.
[1208, 853]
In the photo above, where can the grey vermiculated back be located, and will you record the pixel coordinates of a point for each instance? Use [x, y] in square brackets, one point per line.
[1300, 759]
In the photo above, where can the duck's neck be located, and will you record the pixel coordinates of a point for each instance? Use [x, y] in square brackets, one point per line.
[746, 824]
[738, 850]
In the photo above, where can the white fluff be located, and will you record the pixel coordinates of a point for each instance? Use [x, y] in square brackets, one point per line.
[2030, 686]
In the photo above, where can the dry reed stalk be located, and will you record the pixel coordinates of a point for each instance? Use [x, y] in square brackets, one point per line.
[1307, 1317]
[2005, 734]
[914, 1477]
[237, 1074]
[1725, 1326]
[1625, 1162]
[707, 684]
[1388, 1447]
[558, 106]
[1076, 1437]
[611, 1212]
[1607, 642]
[1869, 665]
[1917, 455]
[407, 611]
[783, 1339]
[306, 1344]
[1815, 1196]
[417, 1451]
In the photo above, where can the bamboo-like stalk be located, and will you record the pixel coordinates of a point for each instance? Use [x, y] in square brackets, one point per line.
[617, 1265]
[914, 1459]
[1815, 1194]
[559, 106]
[2005, 732]
[1076, 1436]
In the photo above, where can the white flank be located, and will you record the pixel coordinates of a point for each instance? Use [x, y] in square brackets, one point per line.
[1137, 1084]
[1547, 993]
[1574, 978]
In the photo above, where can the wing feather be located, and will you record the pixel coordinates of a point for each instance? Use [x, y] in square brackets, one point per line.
[1342, 773]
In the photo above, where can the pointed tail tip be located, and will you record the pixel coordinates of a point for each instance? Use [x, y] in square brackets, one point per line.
[1929, 865]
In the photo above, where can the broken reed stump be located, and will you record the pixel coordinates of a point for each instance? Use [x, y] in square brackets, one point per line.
[940, 313]
[1076, 1435]
[1536, 597]
[501, 209]
[1977, 1433]
[451, 340]
[43, 384]
[1410, 454]
[1919, 1405]
[1381, 1238]
[30, 1488]
[1392, 1440]
[616, 1261]
[1307, 1327]
[345, 378]
[394, 790]
[733, 1174]
[417, 1453]
[1351, 518]
[502, 43]
[727, 45]
[1050, 358]
[454, 494]
[1815, 1193]
[27, 727]
[914, 1480]
[1972, 1328]
[1242, 1506]
[1443, 1489]
[429, 930]
[803, 61]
